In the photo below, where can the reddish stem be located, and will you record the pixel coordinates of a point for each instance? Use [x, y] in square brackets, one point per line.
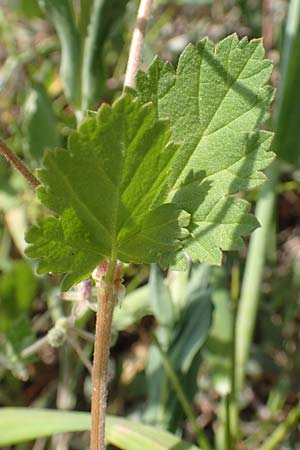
[106, 303]
[16, 162]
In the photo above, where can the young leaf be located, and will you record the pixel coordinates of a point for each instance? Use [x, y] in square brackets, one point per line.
[105, 190]
[215, 100]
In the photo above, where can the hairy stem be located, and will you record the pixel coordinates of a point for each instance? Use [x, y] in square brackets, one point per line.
[137, 42]
[233, 408]
[18, 164]
[106, 302]
[253, 276]
[106, 294]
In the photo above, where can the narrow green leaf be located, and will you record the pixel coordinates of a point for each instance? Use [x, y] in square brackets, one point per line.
[134, 306]
[84, 17]
[18, 337]
[192, 331]
[38, 111]
[62, 17]
[160, 299]
[105, 189]
[287, 143]
[182, 341]
[216, 100]
[103, 15]
[18, 288]
[217, 350]
[24, 424]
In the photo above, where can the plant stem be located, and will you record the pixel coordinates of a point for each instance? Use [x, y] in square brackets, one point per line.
[251, 286]
[106, 294]
[90, 337]
[80, 352]
[272, 443]
[292, 24]
[106, 302]
[16, 162]
[233, 407]
[227, 431]
[253, 275]
[35, 347]
[201, 438]
[137, 42]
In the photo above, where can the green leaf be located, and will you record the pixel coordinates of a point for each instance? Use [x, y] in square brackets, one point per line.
[18, 288]
[287, 143]
[123, 190]
[103, 16]
[18, 337]
[215, 100]
[218, 347]
[134, 307]
[160, 299]
[182, 341]
[38, 111]
[11, 185]
[105, 189]
[24, 424]
[61, 14]
[192, 331]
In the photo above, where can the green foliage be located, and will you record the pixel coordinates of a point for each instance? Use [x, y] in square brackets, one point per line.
[17, 338]
[106, 189]
[215, 101]
[88, 65]
[38, 111]
[28, 8]
[103, 16]
[24, 424]
[123, 190]
[11, 185]
[18, 288]
[182, 330]
[217, 350]
[83, 37]
[288, 132]
[183, 316]
[134, 306]
[62, 16]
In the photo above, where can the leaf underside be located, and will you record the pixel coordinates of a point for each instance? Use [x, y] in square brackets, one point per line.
[123, 189]
[104, 190]
[215, 101]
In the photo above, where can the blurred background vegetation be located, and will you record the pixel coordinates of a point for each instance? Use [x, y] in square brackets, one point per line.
[231, 334]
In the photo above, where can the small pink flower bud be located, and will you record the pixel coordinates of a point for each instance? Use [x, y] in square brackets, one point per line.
[100, 271]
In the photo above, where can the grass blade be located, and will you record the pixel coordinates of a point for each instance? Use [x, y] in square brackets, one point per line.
[25, 424]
